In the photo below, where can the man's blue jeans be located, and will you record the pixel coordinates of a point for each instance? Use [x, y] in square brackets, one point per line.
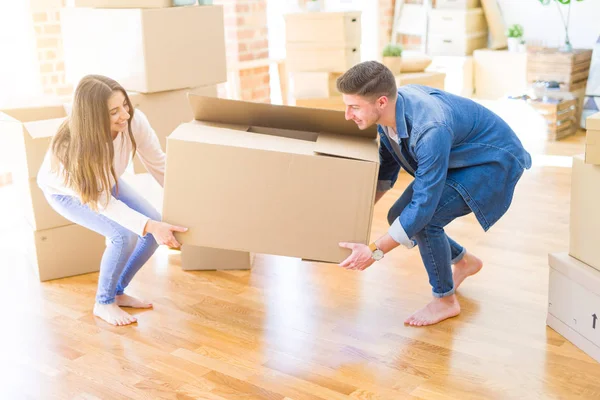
[125, 251]
[437, 250]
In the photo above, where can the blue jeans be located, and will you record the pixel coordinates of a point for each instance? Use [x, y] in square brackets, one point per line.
[125, 251]
[437, 250]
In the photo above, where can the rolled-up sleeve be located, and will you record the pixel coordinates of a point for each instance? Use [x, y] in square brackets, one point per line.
[433, 153]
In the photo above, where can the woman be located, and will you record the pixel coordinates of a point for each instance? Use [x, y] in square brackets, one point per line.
[80, 177]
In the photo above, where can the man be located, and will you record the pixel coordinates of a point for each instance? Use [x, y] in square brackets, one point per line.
[463, 158]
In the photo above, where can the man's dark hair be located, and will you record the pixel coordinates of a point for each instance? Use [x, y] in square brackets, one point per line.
[369, 79]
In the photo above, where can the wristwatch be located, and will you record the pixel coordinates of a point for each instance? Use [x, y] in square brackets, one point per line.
[377, 254]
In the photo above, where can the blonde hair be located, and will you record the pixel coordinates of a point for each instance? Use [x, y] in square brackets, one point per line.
[84, 142]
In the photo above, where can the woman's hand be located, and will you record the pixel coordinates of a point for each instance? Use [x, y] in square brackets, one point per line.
[163, 233]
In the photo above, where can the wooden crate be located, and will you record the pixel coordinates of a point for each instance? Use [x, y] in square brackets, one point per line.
[560, 117]
[571, 69]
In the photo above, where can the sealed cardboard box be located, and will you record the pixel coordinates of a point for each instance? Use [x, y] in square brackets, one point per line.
[194, 258]
[120, 3]
[315, 84]
[32, 138]
[457, 4]
[338, 28]
[66, 251]
[499, 73]
[159, 49]
[592, 139]
[459, 73]
[585, 218]
[321, 57]
[271, 179]
[429, 78]
[457, 21]
[574, 302]
[165, 111]
[456, 44]
[38, 213]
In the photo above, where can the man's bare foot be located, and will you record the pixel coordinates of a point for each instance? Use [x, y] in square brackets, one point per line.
[112, 314]
[438, 310]
[469, 265]
[124, 300]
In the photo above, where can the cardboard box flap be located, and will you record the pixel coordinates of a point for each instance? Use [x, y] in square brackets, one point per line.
[275, 116]
[44, 128]
[347, 147]
[28, 114]
[593, 122]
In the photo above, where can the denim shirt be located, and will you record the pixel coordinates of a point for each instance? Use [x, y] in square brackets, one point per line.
[449, 140]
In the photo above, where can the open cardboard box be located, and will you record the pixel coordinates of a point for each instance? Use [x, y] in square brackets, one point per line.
[271, 179]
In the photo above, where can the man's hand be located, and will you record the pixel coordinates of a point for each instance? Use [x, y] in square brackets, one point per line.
[360, 259]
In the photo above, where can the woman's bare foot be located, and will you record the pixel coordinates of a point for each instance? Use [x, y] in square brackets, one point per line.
[469, 265]
[124, 300]
[438, 310]
[112, 314]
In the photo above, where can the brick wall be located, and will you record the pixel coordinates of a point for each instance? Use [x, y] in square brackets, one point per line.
[50, 53]
[246, 35]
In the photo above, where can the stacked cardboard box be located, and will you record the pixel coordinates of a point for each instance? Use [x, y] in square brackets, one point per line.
[592, 139]
[320, 46]
[569, 69]
[574, 294]
[457, 28]
[296, 183]
[56, 247]
[163, 53]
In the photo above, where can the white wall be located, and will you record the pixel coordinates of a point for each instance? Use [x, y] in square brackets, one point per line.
[543, 25]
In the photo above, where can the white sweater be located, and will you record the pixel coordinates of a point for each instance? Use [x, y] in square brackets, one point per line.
[151, 155]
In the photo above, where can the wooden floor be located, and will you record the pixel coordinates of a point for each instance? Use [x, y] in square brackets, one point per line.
[293, 330]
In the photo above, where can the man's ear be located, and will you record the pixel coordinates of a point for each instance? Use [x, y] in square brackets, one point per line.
[382, 101]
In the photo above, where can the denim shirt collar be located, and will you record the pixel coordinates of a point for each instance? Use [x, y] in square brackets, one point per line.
[401, 128]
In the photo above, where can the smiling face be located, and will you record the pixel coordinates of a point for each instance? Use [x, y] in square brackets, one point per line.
[118, 111]
[363, 111]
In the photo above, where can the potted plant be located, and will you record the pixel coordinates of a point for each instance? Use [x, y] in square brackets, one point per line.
[567, 46]
[392, 58]
[515, 34]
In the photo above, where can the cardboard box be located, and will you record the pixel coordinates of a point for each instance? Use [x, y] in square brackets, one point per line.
[315, 84]
[456, 44]
[295, 182]
[592, 147]
[334, 28]
[585, 217]
[499, 73]
[457, 4]
[159, 49]
[470, 21]
[38, 213]
[574, 302]
[459, 73]
[593, 122]
[195, 258]
[318, 57]
[66, 251]
[327, 103]
[120, 3]
[495, 23]
[165, 111]
[431, 79]
[31, 138]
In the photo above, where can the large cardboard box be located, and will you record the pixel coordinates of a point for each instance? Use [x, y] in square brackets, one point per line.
[271, 179]
[457, 4]
[430, 78]
[165, 111]
[574, 302]
[38, 213]
[158, 49]
[470, 21]
[459, 73]
[499, 73]
[585, 215]
[337, 28]
[327, 103]
[65, 251]
[315, 84]
[456, 44]
[592, 139]
[321, 57]
[195, 258]
[120, 3]
[496, 25]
